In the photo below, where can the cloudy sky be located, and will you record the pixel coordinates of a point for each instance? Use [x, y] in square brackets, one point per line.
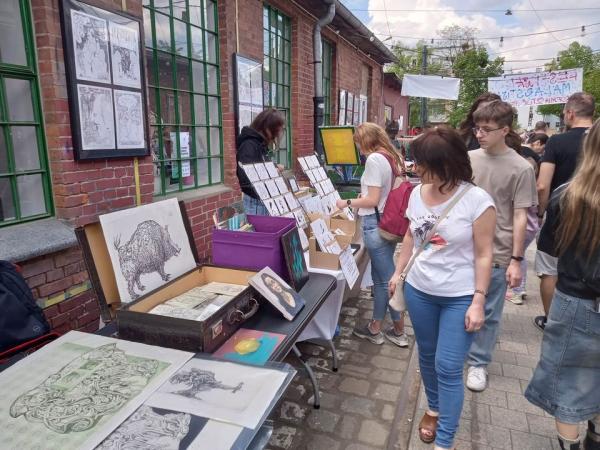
[405, 23]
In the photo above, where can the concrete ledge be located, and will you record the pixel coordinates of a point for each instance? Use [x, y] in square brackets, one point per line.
[32, 239]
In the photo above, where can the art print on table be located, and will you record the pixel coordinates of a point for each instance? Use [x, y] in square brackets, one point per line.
[349, 267]
[130, 122]
[303, 238]
[148, 246]
[263, 174]
[300, 218]
[124, 46]
[322, 174]
[311, 176]
[96, 117]
[294, 258]
[251, 172]
[293, 184]
[224, 391]
[272, 169]
[277, 292]
[250, 346]
[303, 164]
[90, 45]
[281, 186]
[272, 188]
[281, 204]
[329, 187]
[291, 201]
[329, 204]
[319, 189]
[271, 207]
[261, 190]
[313, 161]
[74, 391]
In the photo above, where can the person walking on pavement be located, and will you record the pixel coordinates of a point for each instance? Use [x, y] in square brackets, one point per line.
[510, 181]
[566, 380]
[558, 165]
[375, 185]
[446, 286]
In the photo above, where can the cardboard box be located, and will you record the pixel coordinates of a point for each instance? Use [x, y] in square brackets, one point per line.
[337, 221]
[323, 260]
[136, 324]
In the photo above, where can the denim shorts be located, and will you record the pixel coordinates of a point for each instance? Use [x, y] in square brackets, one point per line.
[566, 380]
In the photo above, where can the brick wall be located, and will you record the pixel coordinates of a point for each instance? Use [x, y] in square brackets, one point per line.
[399, 104]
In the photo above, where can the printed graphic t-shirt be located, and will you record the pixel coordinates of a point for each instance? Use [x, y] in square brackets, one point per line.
[446, 267]
[378, 173]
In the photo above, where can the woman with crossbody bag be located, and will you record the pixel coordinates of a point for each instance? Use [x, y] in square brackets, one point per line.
[444, 269]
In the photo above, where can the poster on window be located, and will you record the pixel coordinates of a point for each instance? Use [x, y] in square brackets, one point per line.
[105, 84]
[124, 52]
[342, 109]
[248, 90]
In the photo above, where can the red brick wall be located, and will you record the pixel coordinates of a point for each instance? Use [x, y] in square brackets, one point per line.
[399, 104]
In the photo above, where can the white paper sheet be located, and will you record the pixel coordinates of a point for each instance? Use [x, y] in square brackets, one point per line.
[272, 169]
[272, 187]
[303, 163]
[280, 182]
[281, 204]
[271, 207]
[251, 172]
[291, 200]
[261, 190]
[261, 169]
[349, 267]
[313, 162]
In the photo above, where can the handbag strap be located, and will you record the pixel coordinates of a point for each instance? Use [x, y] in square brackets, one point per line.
[431, 233]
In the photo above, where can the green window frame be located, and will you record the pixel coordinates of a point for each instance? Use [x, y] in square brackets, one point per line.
[327, 58]
[25, 192]
[277, 71]
[182, 56]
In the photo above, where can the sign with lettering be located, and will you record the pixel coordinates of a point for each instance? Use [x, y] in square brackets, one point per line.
[540, 88]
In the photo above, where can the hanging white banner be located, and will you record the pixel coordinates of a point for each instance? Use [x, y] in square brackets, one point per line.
[430, 86]
[539, 88]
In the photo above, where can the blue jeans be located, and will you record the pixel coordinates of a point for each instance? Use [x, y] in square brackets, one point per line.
[439, 324]
[254, 206]
[381, 253]
[485, 339]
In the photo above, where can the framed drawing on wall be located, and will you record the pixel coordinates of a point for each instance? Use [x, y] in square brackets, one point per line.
[342, 109]
[105, 81]
[248, 90]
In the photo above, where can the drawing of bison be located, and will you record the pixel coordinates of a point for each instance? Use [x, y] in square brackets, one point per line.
[147, 251]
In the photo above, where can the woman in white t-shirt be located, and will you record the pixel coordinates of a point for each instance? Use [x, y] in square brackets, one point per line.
[375, 185]
[446, 287]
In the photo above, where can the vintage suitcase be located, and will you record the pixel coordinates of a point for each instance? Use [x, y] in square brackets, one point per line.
[133, 321]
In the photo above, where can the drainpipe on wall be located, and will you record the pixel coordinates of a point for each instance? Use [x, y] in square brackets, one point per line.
[318, 100]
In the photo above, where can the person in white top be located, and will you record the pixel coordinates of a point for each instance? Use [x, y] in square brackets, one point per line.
[446, 287]
[375, 185]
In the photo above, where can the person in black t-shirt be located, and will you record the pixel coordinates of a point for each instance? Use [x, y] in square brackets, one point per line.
[558, 165]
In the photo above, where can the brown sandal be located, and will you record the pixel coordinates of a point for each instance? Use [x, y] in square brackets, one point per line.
[428, 423]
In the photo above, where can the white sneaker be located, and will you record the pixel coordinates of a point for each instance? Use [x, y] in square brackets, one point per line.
[477, 378]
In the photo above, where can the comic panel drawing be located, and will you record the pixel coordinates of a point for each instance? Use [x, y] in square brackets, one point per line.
[90, 46]
[130, 120]
[96, 117]
[124, 50]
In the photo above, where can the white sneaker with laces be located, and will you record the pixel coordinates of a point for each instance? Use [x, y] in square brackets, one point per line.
[477, 378]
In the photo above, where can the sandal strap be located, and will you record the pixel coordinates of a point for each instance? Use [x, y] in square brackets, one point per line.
[428, 422]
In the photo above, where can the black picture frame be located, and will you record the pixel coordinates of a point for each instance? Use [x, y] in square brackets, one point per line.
[248, 89]
[106, 78]
[294, 259]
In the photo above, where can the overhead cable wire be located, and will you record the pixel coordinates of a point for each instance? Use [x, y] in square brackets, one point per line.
[543, 25]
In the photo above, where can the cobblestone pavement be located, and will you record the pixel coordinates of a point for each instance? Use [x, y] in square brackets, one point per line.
[375, 400]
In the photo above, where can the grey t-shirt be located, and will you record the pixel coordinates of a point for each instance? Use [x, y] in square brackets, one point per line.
[510, 181]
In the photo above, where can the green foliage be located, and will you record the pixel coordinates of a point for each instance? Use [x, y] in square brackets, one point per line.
[576, 55]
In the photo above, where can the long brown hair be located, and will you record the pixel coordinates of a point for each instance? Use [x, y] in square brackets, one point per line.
[269, 123]
[370, 137]
[580, 202]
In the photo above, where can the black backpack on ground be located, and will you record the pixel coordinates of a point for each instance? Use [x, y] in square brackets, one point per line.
[21, 319]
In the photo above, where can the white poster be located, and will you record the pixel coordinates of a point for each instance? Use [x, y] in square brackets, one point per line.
[96, 117]
[539, 88]
[349, 267]
[148, 246]
[75, 391]
[220, 390]
[184, 150]
[130, 119]
[124, 45]
[90, 45]
[430, 86]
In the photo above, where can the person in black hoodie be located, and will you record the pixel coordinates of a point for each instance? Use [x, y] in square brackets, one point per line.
[565, 381]
[252, 147]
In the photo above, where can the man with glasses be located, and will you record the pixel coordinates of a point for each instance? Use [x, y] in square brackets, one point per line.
[510, 181]
[558, 165]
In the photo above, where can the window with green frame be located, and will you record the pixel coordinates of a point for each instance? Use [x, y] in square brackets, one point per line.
[24, 181]
[327, 58]
[182, 55]
[277, 45]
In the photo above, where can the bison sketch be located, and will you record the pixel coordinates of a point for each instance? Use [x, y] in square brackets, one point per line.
[147, 251]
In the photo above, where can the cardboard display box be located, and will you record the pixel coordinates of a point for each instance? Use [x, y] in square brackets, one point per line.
[338, 221]
[133, 321]
[324, 260]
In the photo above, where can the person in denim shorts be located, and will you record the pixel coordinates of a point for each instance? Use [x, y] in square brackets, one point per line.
[566, 381]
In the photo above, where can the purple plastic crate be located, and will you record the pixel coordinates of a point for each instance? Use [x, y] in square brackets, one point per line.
[253, 250]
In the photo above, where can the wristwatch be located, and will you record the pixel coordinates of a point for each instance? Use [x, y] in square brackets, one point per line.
[517, 258]
[349, 202]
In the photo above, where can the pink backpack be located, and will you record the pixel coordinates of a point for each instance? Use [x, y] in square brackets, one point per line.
[393, 224]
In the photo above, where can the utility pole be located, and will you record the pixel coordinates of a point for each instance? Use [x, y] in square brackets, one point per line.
[423, 99]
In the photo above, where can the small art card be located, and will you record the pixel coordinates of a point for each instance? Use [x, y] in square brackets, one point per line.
[272, 187]
[280, 182]
[303, 164]
[272, 169]
[300, 218]
[322, 174]
[291, 201]
[294, 184]
[271, 207]
[303, 238]
[261, 190]
[250, 346]
[262, 171]
[313, 162]
[328, 186]
[251, 172]
[319, 189]
[349, 267]
[294, 258]
[281, 204]
[311, 176]
[278, 293]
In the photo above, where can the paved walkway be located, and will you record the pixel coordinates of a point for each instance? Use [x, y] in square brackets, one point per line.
[375, 400]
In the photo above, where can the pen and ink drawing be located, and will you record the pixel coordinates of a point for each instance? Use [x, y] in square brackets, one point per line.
[96, 117]
[198, 381]
[130, 121]
[124, 44]
[90, 46]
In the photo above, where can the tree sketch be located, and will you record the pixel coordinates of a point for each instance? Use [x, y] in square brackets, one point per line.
[90, 45]
[198, 381]
[147, 251]
[130, 122]
[92, 386]
[124, 44]
[147, 429]
[96, 117]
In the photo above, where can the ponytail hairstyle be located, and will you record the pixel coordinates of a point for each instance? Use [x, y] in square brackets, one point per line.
[580, 202]
[371, 138]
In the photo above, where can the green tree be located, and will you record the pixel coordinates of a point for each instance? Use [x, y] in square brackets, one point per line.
[576, 55]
